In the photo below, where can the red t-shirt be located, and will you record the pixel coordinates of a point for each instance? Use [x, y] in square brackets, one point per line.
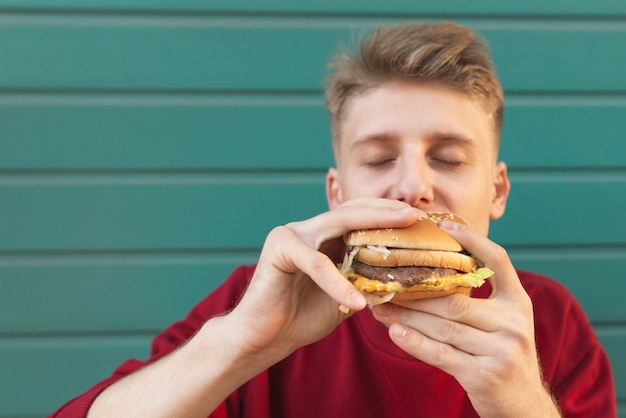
[358, 372]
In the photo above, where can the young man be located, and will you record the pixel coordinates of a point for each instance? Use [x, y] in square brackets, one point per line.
[416, 118]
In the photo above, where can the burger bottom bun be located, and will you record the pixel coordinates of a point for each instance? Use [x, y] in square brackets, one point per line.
[422, 294]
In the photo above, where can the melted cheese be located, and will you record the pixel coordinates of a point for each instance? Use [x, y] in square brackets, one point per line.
[474, 279]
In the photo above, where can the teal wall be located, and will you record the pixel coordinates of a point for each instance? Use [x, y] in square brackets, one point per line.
[133, 132]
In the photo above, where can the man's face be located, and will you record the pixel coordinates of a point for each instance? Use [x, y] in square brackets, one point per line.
[429, 146]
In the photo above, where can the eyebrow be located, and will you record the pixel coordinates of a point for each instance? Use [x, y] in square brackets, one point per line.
[364, 140]
[440, 137]
[450, 137]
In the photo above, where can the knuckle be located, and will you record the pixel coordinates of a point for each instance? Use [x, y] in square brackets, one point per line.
[519, 341]
[508, 360]
[526, 308]
[279, 239]
[448, 331]
[275, 235]
[440, 354]
[497, 371]
[291, 226]
[520, 317]
[501, 255]
[459, 306]
[390, 311]
[492, 373]
[318, 262]
[280, 232]
[285, 233]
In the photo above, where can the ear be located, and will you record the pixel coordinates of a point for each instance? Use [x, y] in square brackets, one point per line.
[502, 187]
[333, 188]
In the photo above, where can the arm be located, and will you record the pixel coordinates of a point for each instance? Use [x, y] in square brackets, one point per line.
[183, 383]
[291, 301]
[488, 345]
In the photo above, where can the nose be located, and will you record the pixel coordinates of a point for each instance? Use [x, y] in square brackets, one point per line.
[414, 184]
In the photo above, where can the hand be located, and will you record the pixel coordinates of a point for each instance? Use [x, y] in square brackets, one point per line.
[296, 290]
[488, 345]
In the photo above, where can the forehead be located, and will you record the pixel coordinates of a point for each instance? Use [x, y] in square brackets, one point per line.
[395, 110]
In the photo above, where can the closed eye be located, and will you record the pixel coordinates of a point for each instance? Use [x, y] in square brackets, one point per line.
[446, 161]
[380, 163]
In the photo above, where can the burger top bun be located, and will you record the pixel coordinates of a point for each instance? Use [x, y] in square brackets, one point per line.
[424, 234]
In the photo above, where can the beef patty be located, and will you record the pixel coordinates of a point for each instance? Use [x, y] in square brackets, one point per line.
[407, 276]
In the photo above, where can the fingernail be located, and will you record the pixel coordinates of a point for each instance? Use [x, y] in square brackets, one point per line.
[404, 210]
[357, 298]
[399, 331]
[449, 225]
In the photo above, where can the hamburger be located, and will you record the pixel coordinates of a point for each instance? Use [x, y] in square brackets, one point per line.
[416, 262]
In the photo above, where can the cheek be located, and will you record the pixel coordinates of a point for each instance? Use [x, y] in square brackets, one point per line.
[454, 192]
[470, 199]
[360, 186]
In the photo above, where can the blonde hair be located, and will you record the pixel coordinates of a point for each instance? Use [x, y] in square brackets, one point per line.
[444, 54]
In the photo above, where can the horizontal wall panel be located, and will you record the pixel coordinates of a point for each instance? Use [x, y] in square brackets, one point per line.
[228, 132]
[518, 54]
[152, 53]
[112, 293]
[569, 132]
[166, 133]
[121, 293]
[564, 209]
[578, 269]
[452, 7]
[39, 375]
[37, 366]
[103, 212]
[164, 53]
[154, 212]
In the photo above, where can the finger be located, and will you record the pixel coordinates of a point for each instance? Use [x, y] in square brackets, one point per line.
[476, 313]
[378, 213]
[374, 202]
[437, 354]
[296, 256]
[505, 281]
[456, 334]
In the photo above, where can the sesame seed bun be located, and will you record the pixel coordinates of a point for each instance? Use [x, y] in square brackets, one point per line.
[424, 234]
